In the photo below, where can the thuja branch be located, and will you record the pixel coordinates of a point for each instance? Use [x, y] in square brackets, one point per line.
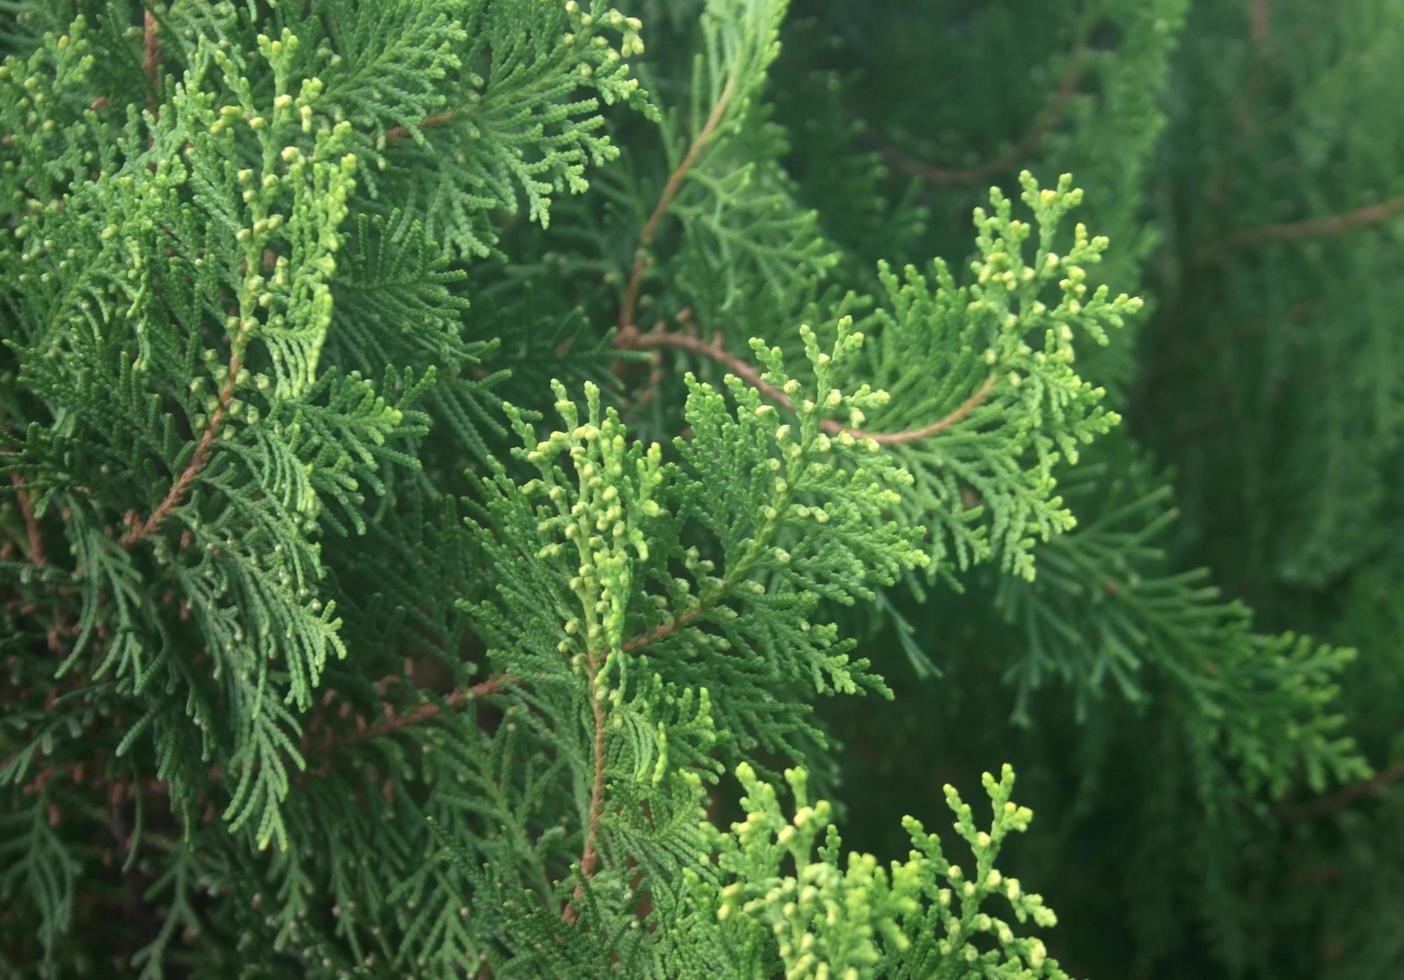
[151, 61]
[713, 349]
[424, 712]
[589, 857]
[629, 305]
[400, 132]
[35, 534]
[38, 554]
[1338, 801]
[201, 456]
[1046, 122]
[1297, 231]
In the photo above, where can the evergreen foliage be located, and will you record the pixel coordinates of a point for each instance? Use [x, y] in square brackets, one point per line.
[441, 440]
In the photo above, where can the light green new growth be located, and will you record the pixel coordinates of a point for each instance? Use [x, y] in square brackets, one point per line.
[440, 438]
[837, 917]
[996, 402]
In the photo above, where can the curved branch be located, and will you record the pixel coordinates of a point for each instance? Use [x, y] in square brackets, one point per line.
[182, 483]
[424, 712]
[32, 530]
[1340, 800]
[151, 62]
[658, 337]
[39, 556]
[1047, 120]
[1297, 231]
[400, 132]
[935, 428]
[590, 857]
[629, 304]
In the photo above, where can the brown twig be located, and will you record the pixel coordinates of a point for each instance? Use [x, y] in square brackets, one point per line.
[1335, 802]
[424, 712]
[590, 856]
[39, 556]
[629, 304]
[659, 337]
[35, 534]
[666, 630]
[400, 132]
[176, 494]
[713, 349]
[151, 44]
[1260, 23]
[629, 337]
[1297, 231]
[935, 428]
[1243, 112]
[1047, 120]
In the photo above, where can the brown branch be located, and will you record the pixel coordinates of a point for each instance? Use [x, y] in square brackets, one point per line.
[666, 630]
[39, 556]
[400, 132]
[37, 553]
[628, 337]
[152, 46]
[659, 337]
[743, 369]
[1243, 114]
[1047, 120]
[1297, 231]
[1260, 23]
[590, 857]
[1342, 799]
[176, 494]
[424, 712]
[935, 428]
[629, 305]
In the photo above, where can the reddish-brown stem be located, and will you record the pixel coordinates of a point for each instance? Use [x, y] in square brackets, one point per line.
[713, 349]
[430, 709]
[630, 338]
[590, 856]
[1334, 803]
[1049, 118]
[666, 630]
[38, 555]
[151, 44]
[935, 428]
[1297, 231]
[400, 132]
[1260, 22]
[659, 337]
[31, 523]
[176, 494]
[628, 306]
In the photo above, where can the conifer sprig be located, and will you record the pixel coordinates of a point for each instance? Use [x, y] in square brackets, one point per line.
[660, 337]
[359, 616]
[827, 917]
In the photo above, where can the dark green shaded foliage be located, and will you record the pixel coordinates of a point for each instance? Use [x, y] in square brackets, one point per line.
[443, 442]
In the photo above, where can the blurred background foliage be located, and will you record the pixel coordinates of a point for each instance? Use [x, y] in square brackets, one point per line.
[1244, 157]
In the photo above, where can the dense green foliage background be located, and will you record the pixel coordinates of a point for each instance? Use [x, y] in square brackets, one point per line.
[303, 674]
